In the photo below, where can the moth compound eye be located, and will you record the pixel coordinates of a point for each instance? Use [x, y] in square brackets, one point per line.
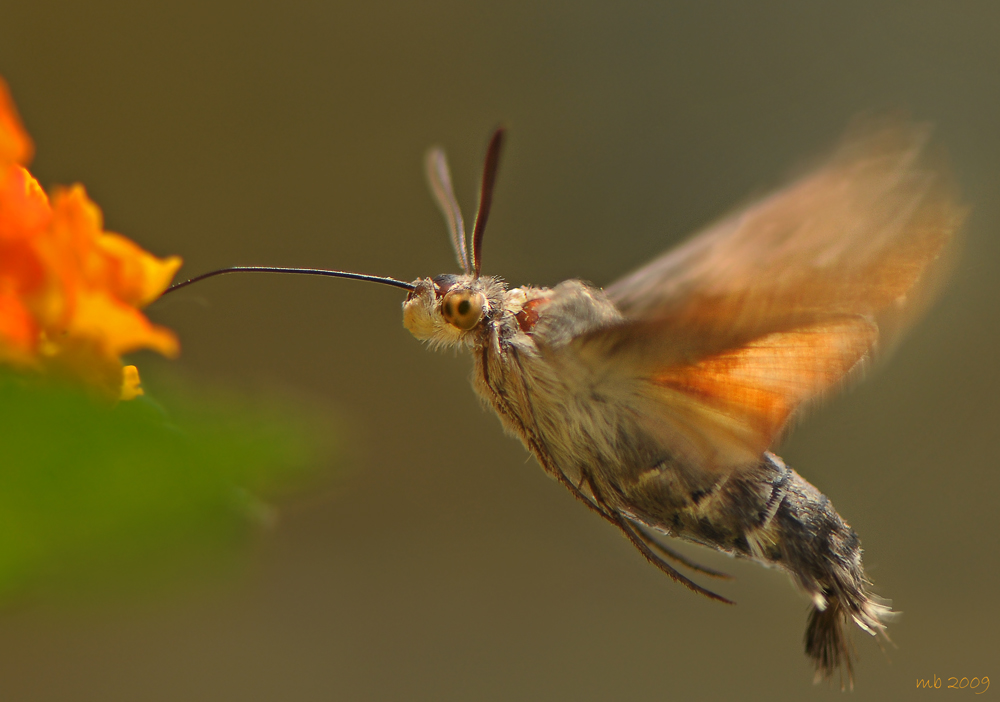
[462, 309]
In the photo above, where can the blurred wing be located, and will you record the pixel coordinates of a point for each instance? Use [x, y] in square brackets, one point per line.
[730, 333]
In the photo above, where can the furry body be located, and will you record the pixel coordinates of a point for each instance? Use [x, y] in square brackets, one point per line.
[656, 400]
[584, 426]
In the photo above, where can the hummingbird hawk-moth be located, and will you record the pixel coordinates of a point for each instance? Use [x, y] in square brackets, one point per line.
[656, 399]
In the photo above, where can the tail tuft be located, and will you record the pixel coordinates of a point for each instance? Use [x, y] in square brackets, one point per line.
[828, 640]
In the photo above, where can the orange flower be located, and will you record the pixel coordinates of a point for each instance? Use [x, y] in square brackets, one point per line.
[70, 292]
[15, 144]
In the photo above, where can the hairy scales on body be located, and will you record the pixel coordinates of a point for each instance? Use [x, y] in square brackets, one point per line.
[585, 431]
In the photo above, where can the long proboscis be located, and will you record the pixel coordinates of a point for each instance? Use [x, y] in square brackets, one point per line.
[299, 271]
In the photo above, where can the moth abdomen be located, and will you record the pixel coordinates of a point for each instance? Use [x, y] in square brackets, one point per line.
[818, 548]
[772, 515]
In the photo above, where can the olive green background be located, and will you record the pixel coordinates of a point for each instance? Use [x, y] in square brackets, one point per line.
[443, 565]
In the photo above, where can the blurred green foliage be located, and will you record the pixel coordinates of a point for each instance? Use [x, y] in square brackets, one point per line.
[95, 495]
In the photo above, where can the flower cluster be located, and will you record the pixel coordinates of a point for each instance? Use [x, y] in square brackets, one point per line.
[70, 293]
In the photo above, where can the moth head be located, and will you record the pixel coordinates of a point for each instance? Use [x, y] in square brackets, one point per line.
[446, 310]
[449, 309]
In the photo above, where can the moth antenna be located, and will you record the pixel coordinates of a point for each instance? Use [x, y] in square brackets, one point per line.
[486, 196]
[439, 178]
[299, 271]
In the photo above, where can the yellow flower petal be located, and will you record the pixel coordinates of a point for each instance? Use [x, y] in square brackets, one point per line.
[117, 328]
[137, 277]
[131, 384]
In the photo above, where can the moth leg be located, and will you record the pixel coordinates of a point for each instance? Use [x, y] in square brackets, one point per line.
[665, 550]
[640, 541]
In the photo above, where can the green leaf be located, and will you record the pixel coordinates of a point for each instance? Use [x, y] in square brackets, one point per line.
[96, 494]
